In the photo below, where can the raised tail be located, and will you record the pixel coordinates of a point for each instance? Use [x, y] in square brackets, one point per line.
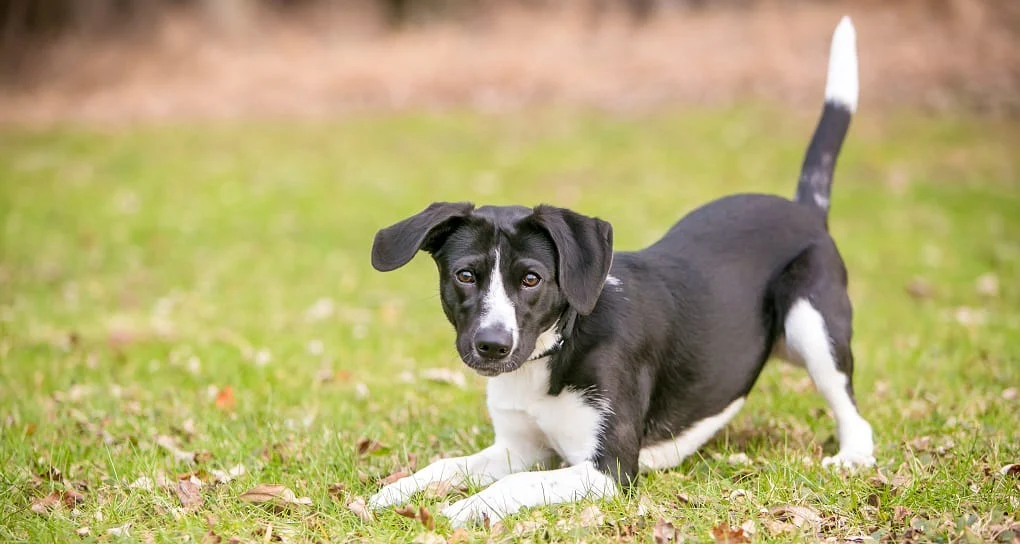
[841, 86]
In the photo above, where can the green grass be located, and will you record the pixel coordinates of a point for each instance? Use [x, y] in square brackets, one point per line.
[145, 269]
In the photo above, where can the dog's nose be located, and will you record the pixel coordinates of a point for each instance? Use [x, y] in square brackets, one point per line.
[493, 343]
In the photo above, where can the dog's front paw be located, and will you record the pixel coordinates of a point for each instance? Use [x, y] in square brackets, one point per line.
[474, 509]
[395, 494]
[849, 460]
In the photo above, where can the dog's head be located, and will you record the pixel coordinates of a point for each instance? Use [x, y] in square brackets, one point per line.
[506, 274]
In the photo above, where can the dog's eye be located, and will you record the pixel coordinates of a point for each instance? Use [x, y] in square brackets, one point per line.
[530, 279]
[465, 276]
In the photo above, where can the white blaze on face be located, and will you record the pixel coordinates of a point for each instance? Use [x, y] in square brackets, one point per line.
[497, 308]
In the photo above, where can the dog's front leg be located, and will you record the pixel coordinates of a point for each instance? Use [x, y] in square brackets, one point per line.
[527, 489]
[482, 468]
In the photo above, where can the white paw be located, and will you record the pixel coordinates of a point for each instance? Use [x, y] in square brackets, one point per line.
[849, 460]
[394, 494]
[474, 509]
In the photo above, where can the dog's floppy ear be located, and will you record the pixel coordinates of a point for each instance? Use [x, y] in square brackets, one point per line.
[584, 246]
[394, 246]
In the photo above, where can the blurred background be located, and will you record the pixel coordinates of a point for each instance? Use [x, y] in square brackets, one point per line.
[129, 60]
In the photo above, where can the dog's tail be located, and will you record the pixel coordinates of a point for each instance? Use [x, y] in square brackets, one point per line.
[815, 183]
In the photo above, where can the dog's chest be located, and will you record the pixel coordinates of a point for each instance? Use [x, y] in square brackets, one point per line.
[522, 410]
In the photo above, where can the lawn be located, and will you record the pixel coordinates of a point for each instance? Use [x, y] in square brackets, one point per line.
[179, 301]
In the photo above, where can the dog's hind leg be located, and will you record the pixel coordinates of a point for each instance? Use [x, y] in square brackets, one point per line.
[817, 330]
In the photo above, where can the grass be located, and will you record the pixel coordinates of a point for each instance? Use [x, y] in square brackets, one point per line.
[211, 284]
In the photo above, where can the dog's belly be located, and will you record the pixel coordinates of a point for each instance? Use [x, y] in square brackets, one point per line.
[523, 412]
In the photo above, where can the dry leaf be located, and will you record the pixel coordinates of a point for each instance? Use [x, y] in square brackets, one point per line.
[226, 476]
[429, 538]
[901, 513]
[724, 534]
[337, 490]
[592, 517]
[83, 531]
[394, 477]
[119, 531]
[143, 482]
[189, 494]
[45, 504]
[426, 518]
[799, 516]
[1012, 469]
[366, 446]
[1009, 394]
[360, 509]
[749, 527]
[211, 538]
[225, 399]
[664, 532]
[168, 443]
[459, 536]
[528, 526]
[444, 375]
[408, 511]
[273, 494]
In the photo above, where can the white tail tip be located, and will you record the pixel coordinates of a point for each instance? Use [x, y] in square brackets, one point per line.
[841, 87]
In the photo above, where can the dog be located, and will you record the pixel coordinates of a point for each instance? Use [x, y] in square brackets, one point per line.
[619, 363]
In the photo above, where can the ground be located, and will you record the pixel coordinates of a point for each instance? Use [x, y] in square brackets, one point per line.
[177, 301]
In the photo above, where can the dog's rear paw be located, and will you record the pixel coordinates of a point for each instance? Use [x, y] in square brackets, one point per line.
[849, 460]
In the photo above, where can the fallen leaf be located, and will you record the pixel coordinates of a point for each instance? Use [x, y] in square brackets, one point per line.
[394, 477]
[226, 476]
[592, 517]
[337, 490]
[408, 511]
[429, 538]
[119, 531]
[799, 516]
[211, 537]
[170, 444]
[189, 494]
[445, 375]
[1012, 469]
[366, 446]
[225, 399]
[273, 494]
[360, 509]
[901, 513]
[83, 531]
[459, 536]
[738, 459]
[920, 288]
[45, 504]
[664, 532]
[143, 482]
[1009, 394]
[527, 526]
[724, 534]
[361, 390]
[426, 518]
[749, 527]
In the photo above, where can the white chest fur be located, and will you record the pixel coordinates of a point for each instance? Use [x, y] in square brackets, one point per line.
[523, 412]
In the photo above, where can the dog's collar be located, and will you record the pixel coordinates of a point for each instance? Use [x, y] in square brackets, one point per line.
[549, 351]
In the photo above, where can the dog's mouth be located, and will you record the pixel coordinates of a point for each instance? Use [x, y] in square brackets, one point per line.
[491, 369]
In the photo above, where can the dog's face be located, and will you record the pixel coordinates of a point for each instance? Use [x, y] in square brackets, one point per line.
[506, 274]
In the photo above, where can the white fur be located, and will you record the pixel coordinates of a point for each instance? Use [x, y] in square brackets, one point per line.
[807, 339]
[670, 453]
[497, 308]
[546, 341]
[528, 489]
[613, 280]
[529, 425]
[841, 86]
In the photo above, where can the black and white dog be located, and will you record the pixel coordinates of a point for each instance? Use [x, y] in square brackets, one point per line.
[620, 363]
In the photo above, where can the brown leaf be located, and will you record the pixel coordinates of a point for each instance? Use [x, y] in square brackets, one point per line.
[83, 531]
[360, 509]
[426, 518]
[337, 490]
[901, 513]
[920, 289]
[273, 494]
[459, 536]
[429, 538]
[226, 476]
[799, 516]
[71, 498]
[211, 538]
[188, 493]
[724, 534]
[408, 511]
[393, 477]
[664, 532]
[366, 446]
[592, 517]
[45, 504]
[119, 531]
[225, 399]
[1012, 469]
